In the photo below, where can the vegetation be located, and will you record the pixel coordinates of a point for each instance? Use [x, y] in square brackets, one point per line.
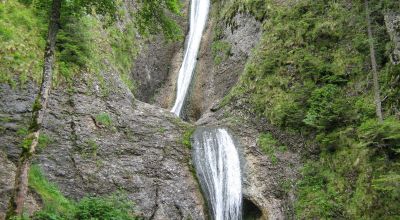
[269, 146]
[220, 51]
[53, 199]
[312, 74]
[186, 138]
[103, 119]
[21, 43]
[57, 207]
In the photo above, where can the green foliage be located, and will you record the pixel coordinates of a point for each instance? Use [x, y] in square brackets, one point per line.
[152, 18]
[113, 207]
[103, 119]
[26, 143]
[57, 207]
[268, 144]
[186, 138]
[21, 43]
[73, 47]
[317, 197]
[381, 136]
[220, 50]
[258, 8]
[124, 51]
[44, 141]
[310, 75]
[53, 199]
[86, 42]
[162, 130]
[326, 108]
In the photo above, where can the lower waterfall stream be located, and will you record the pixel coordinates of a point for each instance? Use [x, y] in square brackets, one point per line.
[218, 167]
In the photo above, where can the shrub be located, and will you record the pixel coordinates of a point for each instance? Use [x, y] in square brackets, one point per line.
[115, 207]
[326, 108]
[220, 50]
[382, 136]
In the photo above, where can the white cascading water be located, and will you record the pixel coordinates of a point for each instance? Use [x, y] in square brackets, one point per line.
[198, 19]
[218, 167]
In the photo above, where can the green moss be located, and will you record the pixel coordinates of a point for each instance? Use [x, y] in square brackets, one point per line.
[5, 119]
[104, 119]
[26, 143]
[220, 51]
[162, 130]
[36, 105]
[90, 149]
[44, 141]
[309, 75]
[22, 132]
[186, 138]
[269, 145]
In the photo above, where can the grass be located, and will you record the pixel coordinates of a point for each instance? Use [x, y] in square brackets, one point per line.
[220, 51]
[103, 119]
[269, 145]
[186, 137]
[58, 207]
[53, 199]
[90, 149]
[85, 43]
[21, 43]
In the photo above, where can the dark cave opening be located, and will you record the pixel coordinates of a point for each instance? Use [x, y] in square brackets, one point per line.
[250, 210]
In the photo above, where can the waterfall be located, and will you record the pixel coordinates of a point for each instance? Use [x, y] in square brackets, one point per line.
[217, 165]
[198, 17]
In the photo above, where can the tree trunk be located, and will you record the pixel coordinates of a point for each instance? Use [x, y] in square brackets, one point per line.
[377, 95]
[17, 200]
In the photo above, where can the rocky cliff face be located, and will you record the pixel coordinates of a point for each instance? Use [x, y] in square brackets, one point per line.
[221, 60]
[392, 21]
[137, 149]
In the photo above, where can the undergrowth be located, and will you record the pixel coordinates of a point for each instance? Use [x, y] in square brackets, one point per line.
[58, 207]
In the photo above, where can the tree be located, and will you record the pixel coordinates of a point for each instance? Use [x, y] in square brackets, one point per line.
[377, 97]
[151, 16]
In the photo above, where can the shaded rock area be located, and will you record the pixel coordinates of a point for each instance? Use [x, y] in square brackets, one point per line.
[213, 80]
[139, 151]
[156, 64]
[392, 21]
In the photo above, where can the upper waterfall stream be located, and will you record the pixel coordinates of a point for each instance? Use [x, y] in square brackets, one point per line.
[198, 18]
[218, 167]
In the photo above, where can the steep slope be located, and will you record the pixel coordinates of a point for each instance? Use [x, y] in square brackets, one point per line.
[310, 78]
[98, 144]
[136, 148]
